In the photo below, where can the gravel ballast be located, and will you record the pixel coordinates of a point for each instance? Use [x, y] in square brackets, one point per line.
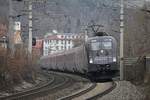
[124, 91]
[64, 92]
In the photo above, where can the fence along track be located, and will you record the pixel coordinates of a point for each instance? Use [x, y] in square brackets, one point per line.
[46, 87]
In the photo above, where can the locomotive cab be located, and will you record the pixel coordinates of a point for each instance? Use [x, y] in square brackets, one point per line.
[102, 56]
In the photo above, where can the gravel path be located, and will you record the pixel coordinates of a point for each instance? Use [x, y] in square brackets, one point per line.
[124, 91]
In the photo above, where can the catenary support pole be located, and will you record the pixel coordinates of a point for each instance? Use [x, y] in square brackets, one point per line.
[121, 39]
[30, 28]
[11, 32]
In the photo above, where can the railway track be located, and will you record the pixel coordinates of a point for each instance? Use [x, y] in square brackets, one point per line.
[93, 92]
[56, 82]
[102, 93]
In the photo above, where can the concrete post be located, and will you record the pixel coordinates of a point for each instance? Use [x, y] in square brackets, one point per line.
[121, 39]
[11, 32]
[30, 28]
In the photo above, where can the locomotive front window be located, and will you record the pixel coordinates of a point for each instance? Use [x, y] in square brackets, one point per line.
[95, 45]
[106, 45]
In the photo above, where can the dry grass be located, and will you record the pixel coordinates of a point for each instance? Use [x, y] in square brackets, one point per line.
[17, 67]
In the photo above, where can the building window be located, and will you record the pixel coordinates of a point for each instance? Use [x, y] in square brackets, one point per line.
[65, 41]
[61, 47]
[68, 41]
[61, 41]
[57, 48]
[57, 41]
[54, 41]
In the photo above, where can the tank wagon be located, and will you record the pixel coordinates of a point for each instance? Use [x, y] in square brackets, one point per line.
[73, 60]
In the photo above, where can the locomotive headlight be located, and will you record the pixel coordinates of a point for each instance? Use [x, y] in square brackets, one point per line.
[114, 59]
[102, 51]
[91, 60]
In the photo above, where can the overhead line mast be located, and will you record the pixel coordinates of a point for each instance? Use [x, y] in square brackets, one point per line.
[121, 39]
[30, 28]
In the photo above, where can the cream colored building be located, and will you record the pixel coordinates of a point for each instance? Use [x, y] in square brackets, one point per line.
[57, 43]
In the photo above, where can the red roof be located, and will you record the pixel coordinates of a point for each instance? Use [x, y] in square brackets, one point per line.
[55, 37]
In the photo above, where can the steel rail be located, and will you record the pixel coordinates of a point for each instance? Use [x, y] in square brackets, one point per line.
[56, 86]
[34, 90]
[39, 85]
[92, 86]
[104, 92]
[20, 94]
